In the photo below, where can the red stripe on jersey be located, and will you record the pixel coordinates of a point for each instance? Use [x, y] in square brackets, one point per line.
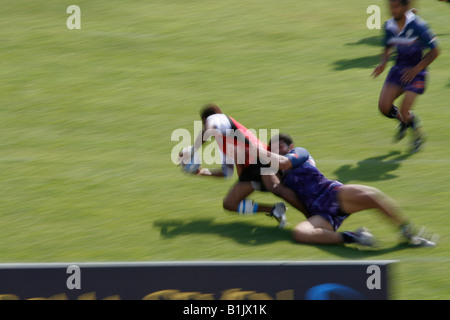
[241, 140]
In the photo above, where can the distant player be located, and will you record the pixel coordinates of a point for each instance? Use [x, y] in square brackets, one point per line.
[330, 202]
[410, 36]
[238, 147]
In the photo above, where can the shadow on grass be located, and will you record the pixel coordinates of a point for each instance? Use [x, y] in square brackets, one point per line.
[369, 61]
[354, 252]
[372, 169]
[241, 232]
[249, 234]
[358, 63]
[375, 41]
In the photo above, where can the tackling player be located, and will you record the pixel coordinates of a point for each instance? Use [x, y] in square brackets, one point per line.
[329, 202]
[410, 36]
[239, 147]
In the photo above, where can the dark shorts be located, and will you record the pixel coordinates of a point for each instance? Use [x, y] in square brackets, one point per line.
[252, 173]
[417, 85]
[327, 206]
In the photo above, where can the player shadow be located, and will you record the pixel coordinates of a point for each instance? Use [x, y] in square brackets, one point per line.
[375, 41]
[355, 252]
[250, 234]
[242, 232]
[357, 63]
[369, 61]
[373, 168]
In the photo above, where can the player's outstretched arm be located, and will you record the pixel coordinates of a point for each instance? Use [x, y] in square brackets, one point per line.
[291, 160]
[226, 171]
[382, 65]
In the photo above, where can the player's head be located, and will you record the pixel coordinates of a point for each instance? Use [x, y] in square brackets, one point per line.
[398, 8]
[281, 142]
[209, 110]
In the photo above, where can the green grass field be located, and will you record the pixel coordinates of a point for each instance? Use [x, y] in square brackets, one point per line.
[86, 119]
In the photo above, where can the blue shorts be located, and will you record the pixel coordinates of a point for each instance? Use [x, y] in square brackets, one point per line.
[417, 85]
[327, 206]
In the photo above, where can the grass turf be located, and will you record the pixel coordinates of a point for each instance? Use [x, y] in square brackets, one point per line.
[87, 117]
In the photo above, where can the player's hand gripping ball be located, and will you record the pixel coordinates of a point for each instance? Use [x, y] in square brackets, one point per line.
[187, 161]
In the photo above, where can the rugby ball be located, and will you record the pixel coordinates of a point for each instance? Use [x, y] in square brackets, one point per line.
[187, 160]
[190, 166]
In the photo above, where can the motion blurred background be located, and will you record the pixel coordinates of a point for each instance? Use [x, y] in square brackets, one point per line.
[87, 115]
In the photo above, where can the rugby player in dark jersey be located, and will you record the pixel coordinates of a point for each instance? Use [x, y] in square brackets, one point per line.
[410, 36]
[329, 202]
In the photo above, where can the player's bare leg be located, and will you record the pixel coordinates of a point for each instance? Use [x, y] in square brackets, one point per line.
[236, 201]
[411, 119]
[236, 194]
[389, 93]
[407, 104]
[316, 230]
[354, 198]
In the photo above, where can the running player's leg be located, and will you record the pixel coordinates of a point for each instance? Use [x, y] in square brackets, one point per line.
[354, 198]
[411, 119]
[407, 104]
[316, 230]
[389, 93]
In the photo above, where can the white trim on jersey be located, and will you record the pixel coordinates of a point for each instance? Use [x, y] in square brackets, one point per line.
[402, 41]
[221, 123]
[392, 25]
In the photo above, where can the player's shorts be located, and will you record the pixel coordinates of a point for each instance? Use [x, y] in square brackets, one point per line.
[327, 206]
[252, 173]
[416, 85]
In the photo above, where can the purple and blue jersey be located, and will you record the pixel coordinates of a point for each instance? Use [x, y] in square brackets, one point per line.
[316, 192]
[410, 42]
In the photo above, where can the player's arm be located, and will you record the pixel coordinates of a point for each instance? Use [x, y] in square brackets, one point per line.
[293, 159]
[227, 169]
[430, 40]
[383, 61]
[207, 132]
[274, 160]
[189, 155]
[199, 141]
[385, 55]
[410, 74]
[210, 173]
[225, 172]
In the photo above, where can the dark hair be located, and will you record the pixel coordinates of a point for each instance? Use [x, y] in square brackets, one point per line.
[281, 137]
[209, 110]
[403, 2]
